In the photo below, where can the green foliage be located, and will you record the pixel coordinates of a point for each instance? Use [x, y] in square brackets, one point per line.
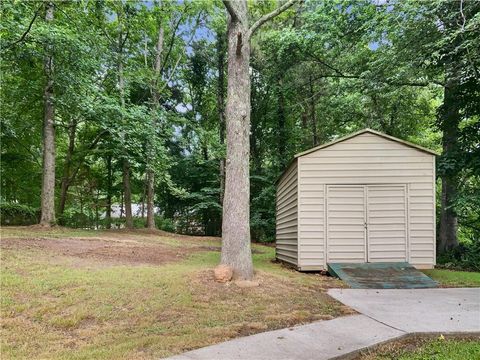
[465, 257]
[165, 224]
[17, 214]
[319, 71]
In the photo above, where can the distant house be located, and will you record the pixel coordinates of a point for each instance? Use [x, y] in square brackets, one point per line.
[367, 197]
[138, 210]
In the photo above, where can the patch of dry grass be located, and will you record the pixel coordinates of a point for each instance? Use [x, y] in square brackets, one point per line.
[65, 305]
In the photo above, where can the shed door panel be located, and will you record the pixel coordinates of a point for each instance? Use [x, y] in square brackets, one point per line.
[346, 224]
[386, 223]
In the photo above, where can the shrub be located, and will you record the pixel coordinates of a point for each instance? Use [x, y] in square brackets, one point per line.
[138, 222]
[165, 224]
[464, 257]
[74, 218]
[17, 214]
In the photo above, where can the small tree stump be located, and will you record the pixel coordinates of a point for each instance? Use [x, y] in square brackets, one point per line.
[223, 273]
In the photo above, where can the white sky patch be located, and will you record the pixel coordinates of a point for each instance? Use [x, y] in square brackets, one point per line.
[183, 108]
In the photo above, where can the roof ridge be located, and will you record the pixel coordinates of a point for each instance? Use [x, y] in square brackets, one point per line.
[363, 131]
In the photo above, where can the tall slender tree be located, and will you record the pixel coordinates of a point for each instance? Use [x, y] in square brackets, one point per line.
[48, 179]
[155, 108]
[127, 191]
[236, 250]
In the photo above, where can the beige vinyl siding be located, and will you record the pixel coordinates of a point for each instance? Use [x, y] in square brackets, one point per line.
[346, 223]
[286, 220]
[367, 159]
[387, 232]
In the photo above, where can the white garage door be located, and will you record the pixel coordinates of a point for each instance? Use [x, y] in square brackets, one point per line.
[366, 223]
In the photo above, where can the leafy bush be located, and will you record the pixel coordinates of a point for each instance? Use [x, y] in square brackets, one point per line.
[138, 222]
[165, 224]
[17, 214]
[75, 219]
[465, 257]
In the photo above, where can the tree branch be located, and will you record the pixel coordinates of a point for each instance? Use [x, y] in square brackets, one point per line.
[230, 9]
[270, 16]
[172, 39]
[24, 35]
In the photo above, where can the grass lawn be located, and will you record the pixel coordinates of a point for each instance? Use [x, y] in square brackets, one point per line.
[421, 348]
[451, 278]
[75, 294]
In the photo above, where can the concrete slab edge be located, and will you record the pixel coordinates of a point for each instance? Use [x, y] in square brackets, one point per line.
[353, 354]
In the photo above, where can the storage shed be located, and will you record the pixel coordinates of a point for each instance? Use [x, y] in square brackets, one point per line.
[367, 197]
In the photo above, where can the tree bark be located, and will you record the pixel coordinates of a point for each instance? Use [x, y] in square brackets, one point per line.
[155, 108]
[236, 251]
[48, 178]
[236, 248]
[450, 119]
[127, 195]
[65, 184]
[125, 161]
[313, 115]
[281, 118]
[108, 210]
[221, 106]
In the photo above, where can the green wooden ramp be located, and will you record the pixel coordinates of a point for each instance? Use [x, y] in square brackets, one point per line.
[381, 276]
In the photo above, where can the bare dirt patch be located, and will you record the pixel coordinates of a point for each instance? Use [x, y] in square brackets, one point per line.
[102, 249]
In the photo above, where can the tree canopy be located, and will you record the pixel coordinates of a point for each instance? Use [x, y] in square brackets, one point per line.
[139, 93]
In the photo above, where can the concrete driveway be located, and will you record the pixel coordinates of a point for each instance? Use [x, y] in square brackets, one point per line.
[385, 315]
[419, 310]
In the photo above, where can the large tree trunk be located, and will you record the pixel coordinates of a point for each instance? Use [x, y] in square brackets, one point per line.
[48, 179]
[450, 119]
[236, 251]
[67, 167]
[221, 106]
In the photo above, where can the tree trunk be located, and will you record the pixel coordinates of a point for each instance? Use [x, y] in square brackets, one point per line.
[97, 198]
[448, 218]
[281, 117]
[144, 195]
[155, 108]
[125, 162]
[450, 119]
[150, 200]
[236, 251]
[313, 115]
[108, 210]
[48, 179]
[67, 167]
[127, 195]
[221, 105]
[236, 248]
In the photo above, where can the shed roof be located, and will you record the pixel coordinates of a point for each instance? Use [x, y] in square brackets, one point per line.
[364, 131]
[415, 146]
